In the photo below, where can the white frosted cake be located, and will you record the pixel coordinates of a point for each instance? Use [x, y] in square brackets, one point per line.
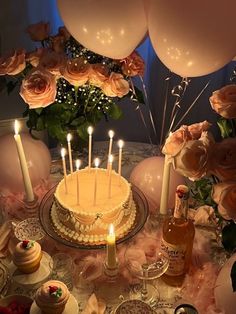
[86, 222]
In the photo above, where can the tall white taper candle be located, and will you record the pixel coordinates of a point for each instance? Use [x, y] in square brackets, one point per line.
[23, 164]
[63, 154]
[165, 187]
[111, 135]
[111, 260]
[69, 138]
[96, 163]
[110, 161]
[77, 165]
[120, 145]
[90, 132]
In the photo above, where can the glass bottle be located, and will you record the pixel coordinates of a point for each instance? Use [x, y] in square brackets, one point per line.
[177, 239]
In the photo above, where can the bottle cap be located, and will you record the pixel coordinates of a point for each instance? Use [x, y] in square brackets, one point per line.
[185, 309]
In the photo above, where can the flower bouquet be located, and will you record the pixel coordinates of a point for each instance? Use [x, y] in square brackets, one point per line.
[211, 165]
[66, 86]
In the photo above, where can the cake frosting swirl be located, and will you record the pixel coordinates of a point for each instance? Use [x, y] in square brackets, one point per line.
[88, 222]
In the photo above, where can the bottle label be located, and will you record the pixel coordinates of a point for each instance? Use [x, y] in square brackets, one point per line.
[176, 255]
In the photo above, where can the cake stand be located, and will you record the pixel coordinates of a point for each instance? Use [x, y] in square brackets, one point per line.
[45, 219]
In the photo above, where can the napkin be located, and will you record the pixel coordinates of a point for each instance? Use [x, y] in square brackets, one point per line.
[204, 215]
[94, 306]
[5, 234]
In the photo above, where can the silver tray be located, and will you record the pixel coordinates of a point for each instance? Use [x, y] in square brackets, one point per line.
[45, 219]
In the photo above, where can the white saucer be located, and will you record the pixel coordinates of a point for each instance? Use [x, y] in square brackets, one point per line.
[71, 307]
[36, 277]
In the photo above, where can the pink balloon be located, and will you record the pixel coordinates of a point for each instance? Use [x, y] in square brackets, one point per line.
[108, 27]
[224, 296]
[38, 160]
[147, 176]
[188, 37]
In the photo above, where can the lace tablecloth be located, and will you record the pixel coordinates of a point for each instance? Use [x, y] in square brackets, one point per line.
[208, 256]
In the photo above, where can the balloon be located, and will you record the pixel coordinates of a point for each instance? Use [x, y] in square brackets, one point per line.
[108, 27]
[38, 161]
[225, 298]
[189, 37]
[147, 176]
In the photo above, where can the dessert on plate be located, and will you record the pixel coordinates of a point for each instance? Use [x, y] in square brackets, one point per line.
[27, 256]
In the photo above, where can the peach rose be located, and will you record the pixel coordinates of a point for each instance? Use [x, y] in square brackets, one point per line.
[52, 61]
[176, 140]
[133, 65]
[192, 160]
[115, 86]
[38, 89]
[224, 194]
[64, 32]
[58, 43]
[34, 57]
[38, 31]
[223, 161]
[223, 101]
[12, 63]
[76, 71]
[98, 74]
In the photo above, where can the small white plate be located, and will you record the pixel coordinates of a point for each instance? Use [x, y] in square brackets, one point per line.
[71, 307]
[36, 277]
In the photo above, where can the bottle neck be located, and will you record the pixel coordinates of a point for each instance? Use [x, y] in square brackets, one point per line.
[181, 208]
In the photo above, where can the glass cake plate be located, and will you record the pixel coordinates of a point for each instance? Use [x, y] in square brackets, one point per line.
[45, 219]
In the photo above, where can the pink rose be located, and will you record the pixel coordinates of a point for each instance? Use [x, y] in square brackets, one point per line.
[176, 140]
[12, 63]
[64, 32]
[224, 194]
[223, 161]
[34, 57]
[133, 65]
[98, 74]
[76, 71]
[115, 86]
[192, 160]
[58, 43]
[52, 61]
[223, 101]
[38, 31]
[38, 89]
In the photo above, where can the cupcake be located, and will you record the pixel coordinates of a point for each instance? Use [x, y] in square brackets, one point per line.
[52, 297]
[27, 256]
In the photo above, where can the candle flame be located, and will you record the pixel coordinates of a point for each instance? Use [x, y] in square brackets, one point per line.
[63, 152]
[69, 137]
[110, 159]
[77, 164]
[120, 143]
[17, 127]
[111, 230]
[90, 130]
[111, 134]
[96, 162]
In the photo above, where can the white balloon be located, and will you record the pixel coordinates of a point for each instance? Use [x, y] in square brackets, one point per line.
[107, 27]
[193, 38]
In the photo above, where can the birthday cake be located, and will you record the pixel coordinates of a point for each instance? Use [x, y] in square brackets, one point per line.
[86, 221]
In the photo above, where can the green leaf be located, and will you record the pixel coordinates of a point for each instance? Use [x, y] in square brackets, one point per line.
[40, 124]
[114, 111]
[228, 237]
[225, 127]
[83, 130]
[233, 276]
[78, 121]
[10, 86]
[39, 110]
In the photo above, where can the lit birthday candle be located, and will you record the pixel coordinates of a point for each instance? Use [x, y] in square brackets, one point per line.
[111, 248]
[23, 165]
[69, 138]
[90, 132]
[77, 165]
[63, 154]
[110, 161]
[96, 163]
[111, 135]
[120, 145]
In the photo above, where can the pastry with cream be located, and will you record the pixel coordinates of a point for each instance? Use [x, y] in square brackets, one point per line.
[27, 256]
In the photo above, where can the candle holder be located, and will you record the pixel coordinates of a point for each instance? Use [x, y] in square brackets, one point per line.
[31, 208]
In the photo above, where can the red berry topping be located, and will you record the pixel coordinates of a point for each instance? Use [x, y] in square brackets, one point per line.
[25, 244]
[53, 289]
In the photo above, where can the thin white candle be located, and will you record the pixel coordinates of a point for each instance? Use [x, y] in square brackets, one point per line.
[110, 161]
[120, 145]
[96, 163]
[63, 154]
[165, 187]
[90, 132]
[23, 164]
[111, 135]
[111, 260]
[69, 138]
[77, 165]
